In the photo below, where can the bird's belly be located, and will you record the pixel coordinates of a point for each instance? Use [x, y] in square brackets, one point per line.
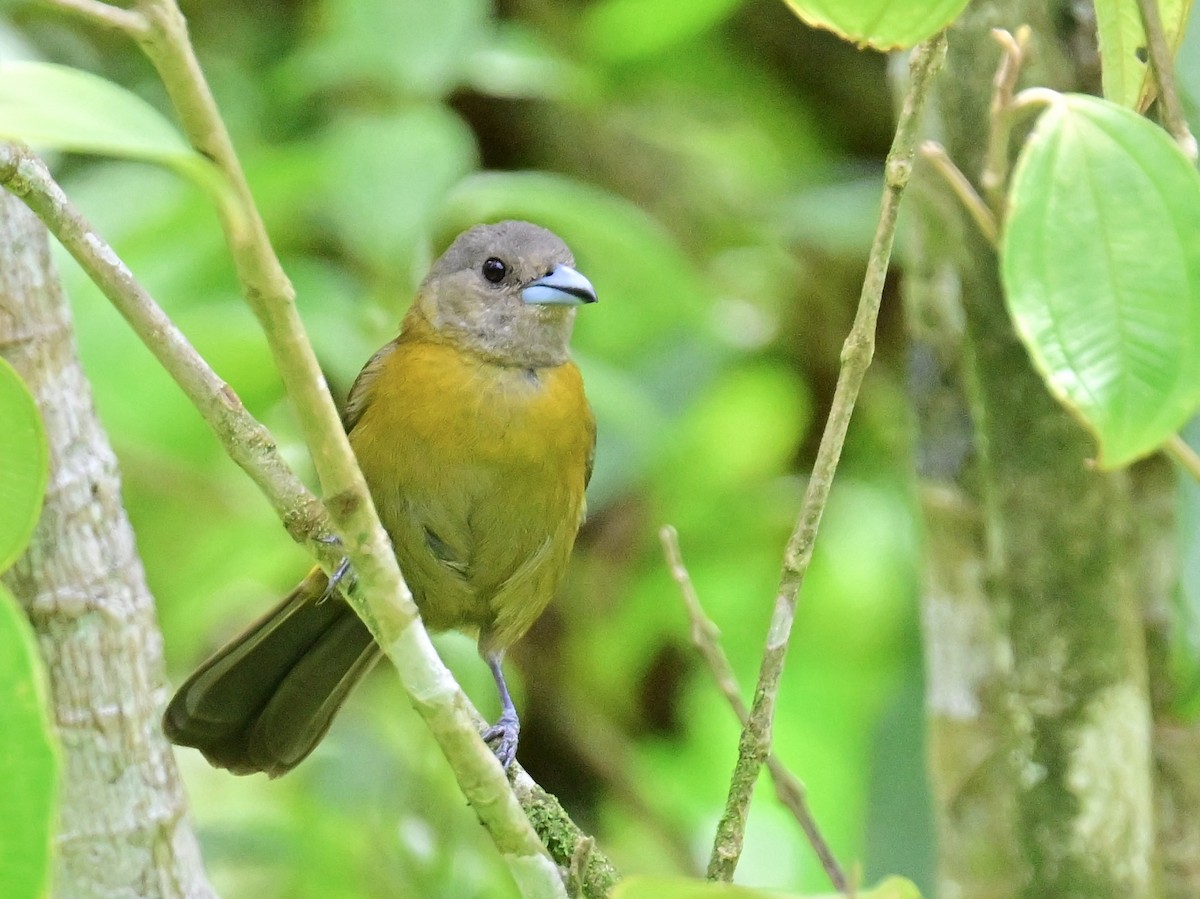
[481, 490]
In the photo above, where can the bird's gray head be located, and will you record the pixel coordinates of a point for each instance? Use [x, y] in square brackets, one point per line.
[506, 291]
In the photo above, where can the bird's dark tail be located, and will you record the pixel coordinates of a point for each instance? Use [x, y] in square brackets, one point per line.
[265, 700]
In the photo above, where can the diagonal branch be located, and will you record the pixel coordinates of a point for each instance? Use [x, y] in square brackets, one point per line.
[128, 21]
[755, 743]
[246, 441]
[960, 185]
[994, 177]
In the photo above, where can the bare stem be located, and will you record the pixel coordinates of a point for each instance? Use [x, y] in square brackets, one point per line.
[706, 638]
[1164, 76]
[1183, 455]
[128, 21]
[935, 154]
[995, 168]
[754, 746]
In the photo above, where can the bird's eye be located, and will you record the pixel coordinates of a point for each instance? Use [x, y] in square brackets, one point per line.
[494, 270]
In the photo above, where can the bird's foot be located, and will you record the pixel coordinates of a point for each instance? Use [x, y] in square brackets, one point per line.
[341, 574]
[502, 738]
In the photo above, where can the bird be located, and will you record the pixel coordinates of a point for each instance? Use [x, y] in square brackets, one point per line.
[477, 442]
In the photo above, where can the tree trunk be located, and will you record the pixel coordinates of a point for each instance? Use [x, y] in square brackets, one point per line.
[123, 831]
[1036, 591]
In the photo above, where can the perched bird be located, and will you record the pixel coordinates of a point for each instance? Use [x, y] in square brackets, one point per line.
[477, 441]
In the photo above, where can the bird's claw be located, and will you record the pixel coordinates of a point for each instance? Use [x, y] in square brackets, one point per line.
[340, 574]
[502, 738]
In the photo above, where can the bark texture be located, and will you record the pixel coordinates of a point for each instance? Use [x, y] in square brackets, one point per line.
[123, 831]
[1176, 741]
[1042, 738]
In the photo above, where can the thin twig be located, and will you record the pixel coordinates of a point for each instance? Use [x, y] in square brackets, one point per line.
[705, 635]
[245, 439]
[1033, 98]
[995, 167]
[579, 863]
[1163, 65]
[129, 21]
[754, 746]
[935, 154]
[706, 638]
[1005, 109]
[1187, 459]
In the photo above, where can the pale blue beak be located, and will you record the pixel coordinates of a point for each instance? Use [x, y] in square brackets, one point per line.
[562, 287]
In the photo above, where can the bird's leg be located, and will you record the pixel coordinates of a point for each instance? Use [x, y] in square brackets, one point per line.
[339, 573]
[502, 736]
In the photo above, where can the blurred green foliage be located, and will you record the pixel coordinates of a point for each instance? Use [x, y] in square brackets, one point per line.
[30, 758]
[24, 465]
[679, 888]
[29, 752]
[714, 166]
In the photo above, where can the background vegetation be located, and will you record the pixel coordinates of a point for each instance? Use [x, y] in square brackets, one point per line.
[715, 166]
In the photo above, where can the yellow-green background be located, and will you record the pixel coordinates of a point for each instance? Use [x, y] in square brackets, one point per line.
[715, 166]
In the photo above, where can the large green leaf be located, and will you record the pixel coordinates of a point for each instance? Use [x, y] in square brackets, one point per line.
[23, 465]
[685, 888]
[883, 24]
[387, 174]
[59, 108]
[28, 758]
[1101, 268]
[412, 49]
[1124, 62]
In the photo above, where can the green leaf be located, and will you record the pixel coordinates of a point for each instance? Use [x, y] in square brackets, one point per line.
[388, 174]
[23, 465]
[413, 49]
[883, 24]
[685, 888]
[28, 758]
[1124, 65]
[519, 62]
[1101, 269]
[59, 108]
